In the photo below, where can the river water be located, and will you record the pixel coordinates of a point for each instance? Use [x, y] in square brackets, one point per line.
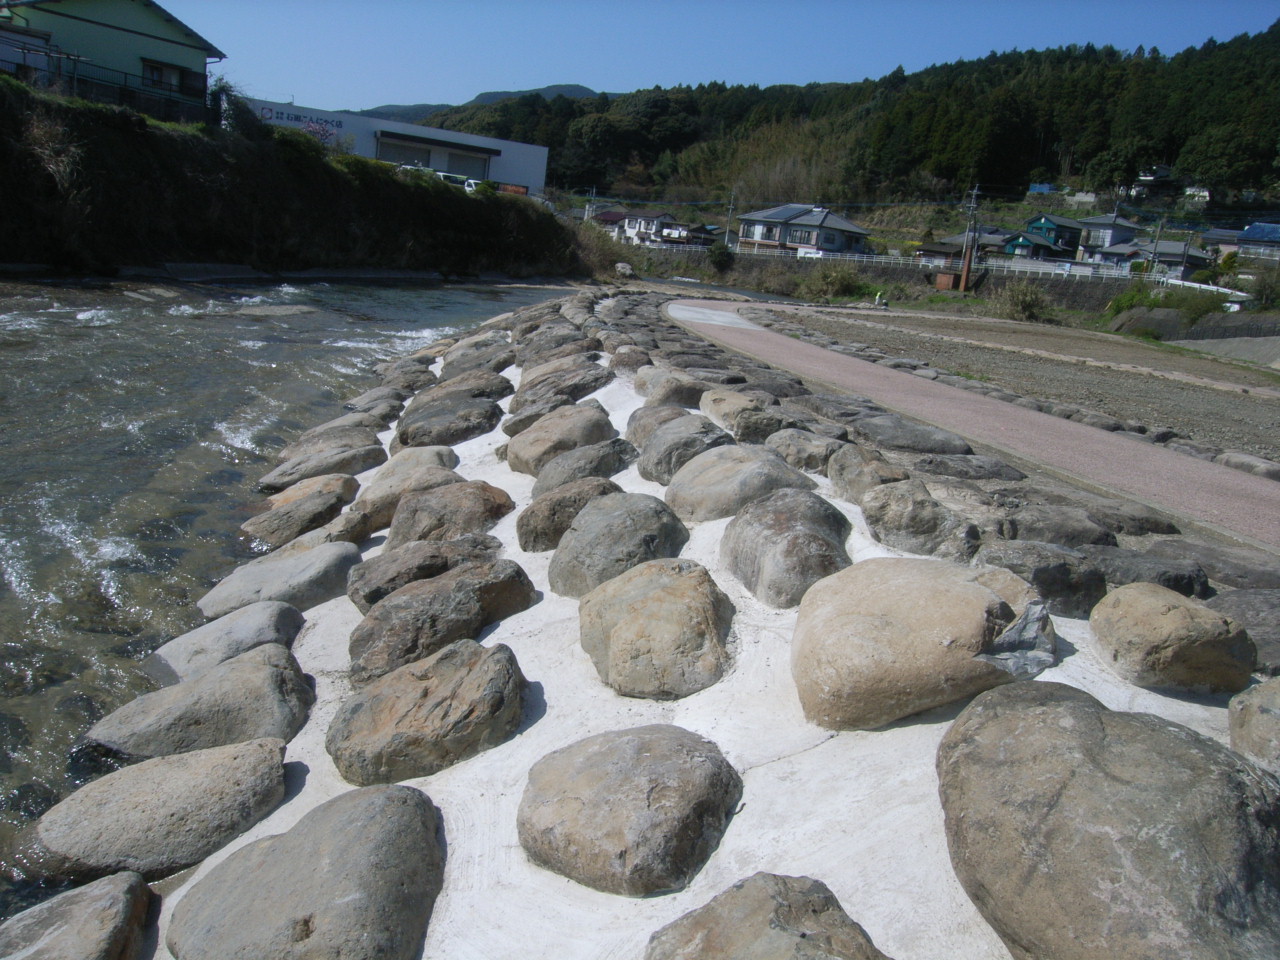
[133, 424]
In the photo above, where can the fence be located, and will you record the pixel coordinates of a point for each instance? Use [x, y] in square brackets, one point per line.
[167, 102]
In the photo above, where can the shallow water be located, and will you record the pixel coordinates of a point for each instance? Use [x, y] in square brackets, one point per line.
[131, 432]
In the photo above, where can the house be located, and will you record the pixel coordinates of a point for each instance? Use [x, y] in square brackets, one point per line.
[132, 53]
[1260, 240]
[1046, 237]
[800, 229]
[990, 240]
[1220, 240]
[1104, 231]
[1177, 259]
[641, 227]
[515, 167]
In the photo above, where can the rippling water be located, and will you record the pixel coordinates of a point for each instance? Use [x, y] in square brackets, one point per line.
[131, 431]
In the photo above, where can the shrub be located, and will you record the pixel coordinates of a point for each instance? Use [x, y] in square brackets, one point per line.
[834, 280]
[1193, 304]
[720, 257]
[1137, 294]
[1021, 300]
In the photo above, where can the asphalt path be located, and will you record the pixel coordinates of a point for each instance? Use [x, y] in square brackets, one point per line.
[1219, 500]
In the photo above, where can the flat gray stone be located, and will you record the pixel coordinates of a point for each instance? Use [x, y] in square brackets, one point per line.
[355, 879]
[185, 656]
[103, 920]
[302, 579]
[278, 526]
[156, 817]
[351, 462]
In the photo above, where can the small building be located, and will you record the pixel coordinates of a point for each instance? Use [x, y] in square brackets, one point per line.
[1046, 237]
[1220, 241]
[1173, 258]
[800, 229]
[131, 53]
[991, 240]
[1260, 240]
[519, 165]
[1104, 231]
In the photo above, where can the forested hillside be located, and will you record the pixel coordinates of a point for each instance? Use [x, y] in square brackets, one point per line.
[1086, 115]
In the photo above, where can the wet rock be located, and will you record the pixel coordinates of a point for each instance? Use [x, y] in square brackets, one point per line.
[610, 535]
[1149, 839]
[380, 576]
[355, 879]
[426, 615]
[302, 579]
[327, 441]
[889, 637]
[719, 482]
[766, 917]
[342, 484]
[1154, 637]
[633, 812]
[156, 817]
[428, 715]
[183, 657]
[260, 693]
[448, 512]
[784, 542]
[372, 399]
[103, 920]
[657, 630]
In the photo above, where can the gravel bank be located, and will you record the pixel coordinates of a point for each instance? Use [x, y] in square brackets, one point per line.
[1211, 400]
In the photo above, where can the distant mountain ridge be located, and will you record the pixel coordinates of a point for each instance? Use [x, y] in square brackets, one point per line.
[417, 112]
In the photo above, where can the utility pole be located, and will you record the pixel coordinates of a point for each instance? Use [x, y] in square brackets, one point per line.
[970, 239]
[1155, 251]
[728, 224]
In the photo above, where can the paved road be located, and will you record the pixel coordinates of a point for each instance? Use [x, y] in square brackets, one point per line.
[1218, 499]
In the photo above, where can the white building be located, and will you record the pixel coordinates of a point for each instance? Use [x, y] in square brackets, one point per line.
[446, 151]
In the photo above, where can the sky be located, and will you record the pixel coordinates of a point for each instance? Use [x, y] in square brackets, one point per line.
[333, 55]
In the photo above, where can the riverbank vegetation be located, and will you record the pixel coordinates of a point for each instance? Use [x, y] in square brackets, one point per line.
[91, 188]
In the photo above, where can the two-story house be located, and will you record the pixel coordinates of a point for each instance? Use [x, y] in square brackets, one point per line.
[1104, 231]
[132, 53]
[801, 229]
[1046, 237]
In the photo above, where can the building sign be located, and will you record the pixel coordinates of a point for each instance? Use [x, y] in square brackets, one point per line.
[272, 115]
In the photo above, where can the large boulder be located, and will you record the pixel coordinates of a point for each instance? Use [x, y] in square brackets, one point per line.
[610, 535]
[426, 615]
[889, 637]
[448, 420]
[185, 656]
[675, 443]
[1080, 832]
[633, 812]
[721, 481]
[803, 449]
[1254, 720]
[898, 433]
[541, 524]
[907, 517]
[604, 459]
[1121, 566]
[104, 920]
[156, 817]
[342, 484]
[261, 693]
[1155, 637]
[301, 578]
[645, 420]
[657, 630]
[784, 542]
[355, 879]
[330, 440]
[855, 470]
[412, 470]
[447, 512]
[1258, 611]
[1066, 526]
[565, 428]
[574, 377]
[383, 575]
[281, 524]
[426, 716]
[351, 462]
[1066, 580]
[766, 917]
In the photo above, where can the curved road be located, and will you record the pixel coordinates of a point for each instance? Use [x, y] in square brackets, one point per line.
[1220, 500]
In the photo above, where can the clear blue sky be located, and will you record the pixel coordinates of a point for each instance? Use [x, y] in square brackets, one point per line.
[353, 55]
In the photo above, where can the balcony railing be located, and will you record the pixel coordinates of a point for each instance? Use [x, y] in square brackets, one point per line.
[170, 102]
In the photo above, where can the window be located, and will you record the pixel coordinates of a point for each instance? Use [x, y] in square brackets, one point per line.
[161, 75]
[770, 233]
[802, 236]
